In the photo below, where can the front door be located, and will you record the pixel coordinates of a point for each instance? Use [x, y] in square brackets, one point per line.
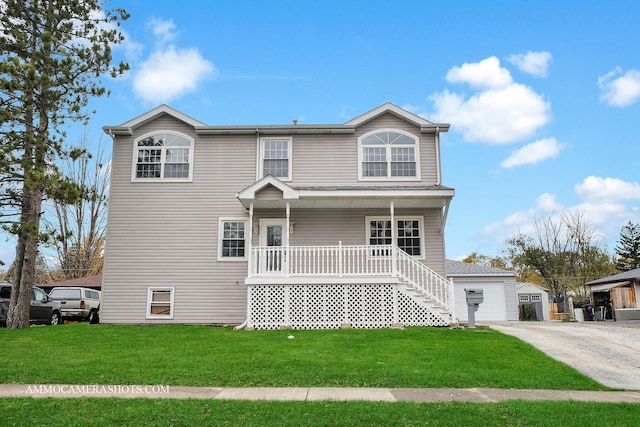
[272, 239]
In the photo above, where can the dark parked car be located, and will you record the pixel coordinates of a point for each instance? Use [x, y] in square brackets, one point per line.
[43, 309]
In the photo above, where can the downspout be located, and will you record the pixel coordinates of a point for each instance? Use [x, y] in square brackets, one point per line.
[242, 325]
[249, 267]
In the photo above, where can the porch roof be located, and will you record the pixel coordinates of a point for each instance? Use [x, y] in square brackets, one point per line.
[340, 197]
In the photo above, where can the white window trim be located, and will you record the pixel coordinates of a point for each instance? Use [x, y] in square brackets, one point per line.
[247, 232]
[149, 298]
[389, 177]
[134, 159]
[290, 158]
[420, 220]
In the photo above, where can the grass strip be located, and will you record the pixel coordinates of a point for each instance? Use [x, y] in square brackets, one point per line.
[172, 412]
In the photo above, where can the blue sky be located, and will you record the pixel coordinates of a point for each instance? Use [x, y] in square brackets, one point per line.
[543, 97]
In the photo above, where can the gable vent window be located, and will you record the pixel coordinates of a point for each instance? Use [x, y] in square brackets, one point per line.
[163, 156]
[388, 155]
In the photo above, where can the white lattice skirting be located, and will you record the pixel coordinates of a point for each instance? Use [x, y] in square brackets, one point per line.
[334, 306]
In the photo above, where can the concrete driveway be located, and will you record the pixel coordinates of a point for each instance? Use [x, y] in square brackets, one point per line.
[608, 352]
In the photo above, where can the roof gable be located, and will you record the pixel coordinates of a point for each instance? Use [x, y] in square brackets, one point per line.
[251, 191]
[388, 107]
[128, 127]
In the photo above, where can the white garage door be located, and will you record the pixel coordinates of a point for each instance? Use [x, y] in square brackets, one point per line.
[492, 308]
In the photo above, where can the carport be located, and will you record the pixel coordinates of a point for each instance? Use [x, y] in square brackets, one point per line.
[616, 297]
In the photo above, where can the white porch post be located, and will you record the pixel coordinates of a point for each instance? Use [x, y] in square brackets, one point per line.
[394, 267]
[286, 254]
[250, 241]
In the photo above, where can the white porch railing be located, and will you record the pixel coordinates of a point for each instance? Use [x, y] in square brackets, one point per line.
[350, 261]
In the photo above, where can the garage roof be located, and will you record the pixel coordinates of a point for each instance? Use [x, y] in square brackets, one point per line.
[459, 268]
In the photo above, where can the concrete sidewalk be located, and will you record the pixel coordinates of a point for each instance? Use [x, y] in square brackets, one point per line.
[480, 395]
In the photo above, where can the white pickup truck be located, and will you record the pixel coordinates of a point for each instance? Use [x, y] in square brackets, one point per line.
[77, 303]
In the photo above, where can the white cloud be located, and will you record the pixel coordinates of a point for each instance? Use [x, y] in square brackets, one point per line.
[547, 203]
[620, 89]
[170, 72]
[496, 116]
[534, 63]
[533, 153]
[523, 221]
[162, 29]
[595, 188]
[605, 207]
[485, 74]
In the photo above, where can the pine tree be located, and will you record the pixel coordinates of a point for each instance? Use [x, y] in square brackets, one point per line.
[52, 55]
[628, 248]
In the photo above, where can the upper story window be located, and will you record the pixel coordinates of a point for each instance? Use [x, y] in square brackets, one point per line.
[275, 158]
[163, 156]
[388, 155]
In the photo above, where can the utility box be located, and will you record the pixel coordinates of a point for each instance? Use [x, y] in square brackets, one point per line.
[475, 297]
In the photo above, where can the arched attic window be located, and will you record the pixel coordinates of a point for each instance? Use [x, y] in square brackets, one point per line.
[163, 156]
[389, 155]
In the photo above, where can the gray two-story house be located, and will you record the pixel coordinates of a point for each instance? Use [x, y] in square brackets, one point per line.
[271, 226]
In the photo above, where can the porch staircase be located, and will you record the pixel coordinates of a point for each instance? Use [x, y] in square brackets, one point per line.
[425, 288]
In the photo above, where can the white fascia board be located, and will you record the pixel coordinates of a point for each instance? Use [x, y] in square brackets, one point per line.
[376, 193]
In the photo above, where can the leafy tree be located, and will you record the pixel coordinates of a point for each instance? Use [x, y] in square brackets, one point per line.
[563, 251]
[509, 260]
[79, 228]
[52, 55]
[628, 248]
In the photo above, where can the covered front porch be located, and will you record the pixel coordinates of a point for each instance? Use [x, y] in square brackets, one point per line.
[294, 281]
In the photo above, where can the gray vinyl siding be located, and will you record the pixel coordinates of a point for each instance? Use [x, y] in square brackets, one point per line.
[333, 159]
[165, 234]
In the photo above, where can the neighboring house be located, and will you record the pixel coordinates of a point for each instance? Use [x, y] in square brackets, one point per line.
[499, 291]
[91, 282]
[271, 226]
[530, 293]
[616, 297]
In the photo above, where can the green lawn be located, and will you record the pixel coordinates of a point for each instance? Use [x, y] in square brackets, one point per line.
[209, 356]
[146, 412]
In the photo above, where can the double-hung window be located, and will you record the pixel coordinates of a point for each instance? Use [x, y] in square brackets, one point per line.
[233, 239]
[408, 233]
[163, 156]
[276, 158]
[160, 303]
[389, 155]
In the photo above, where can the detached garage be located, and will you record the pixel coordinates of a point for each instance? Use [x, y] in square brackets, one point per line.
[499, 291]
